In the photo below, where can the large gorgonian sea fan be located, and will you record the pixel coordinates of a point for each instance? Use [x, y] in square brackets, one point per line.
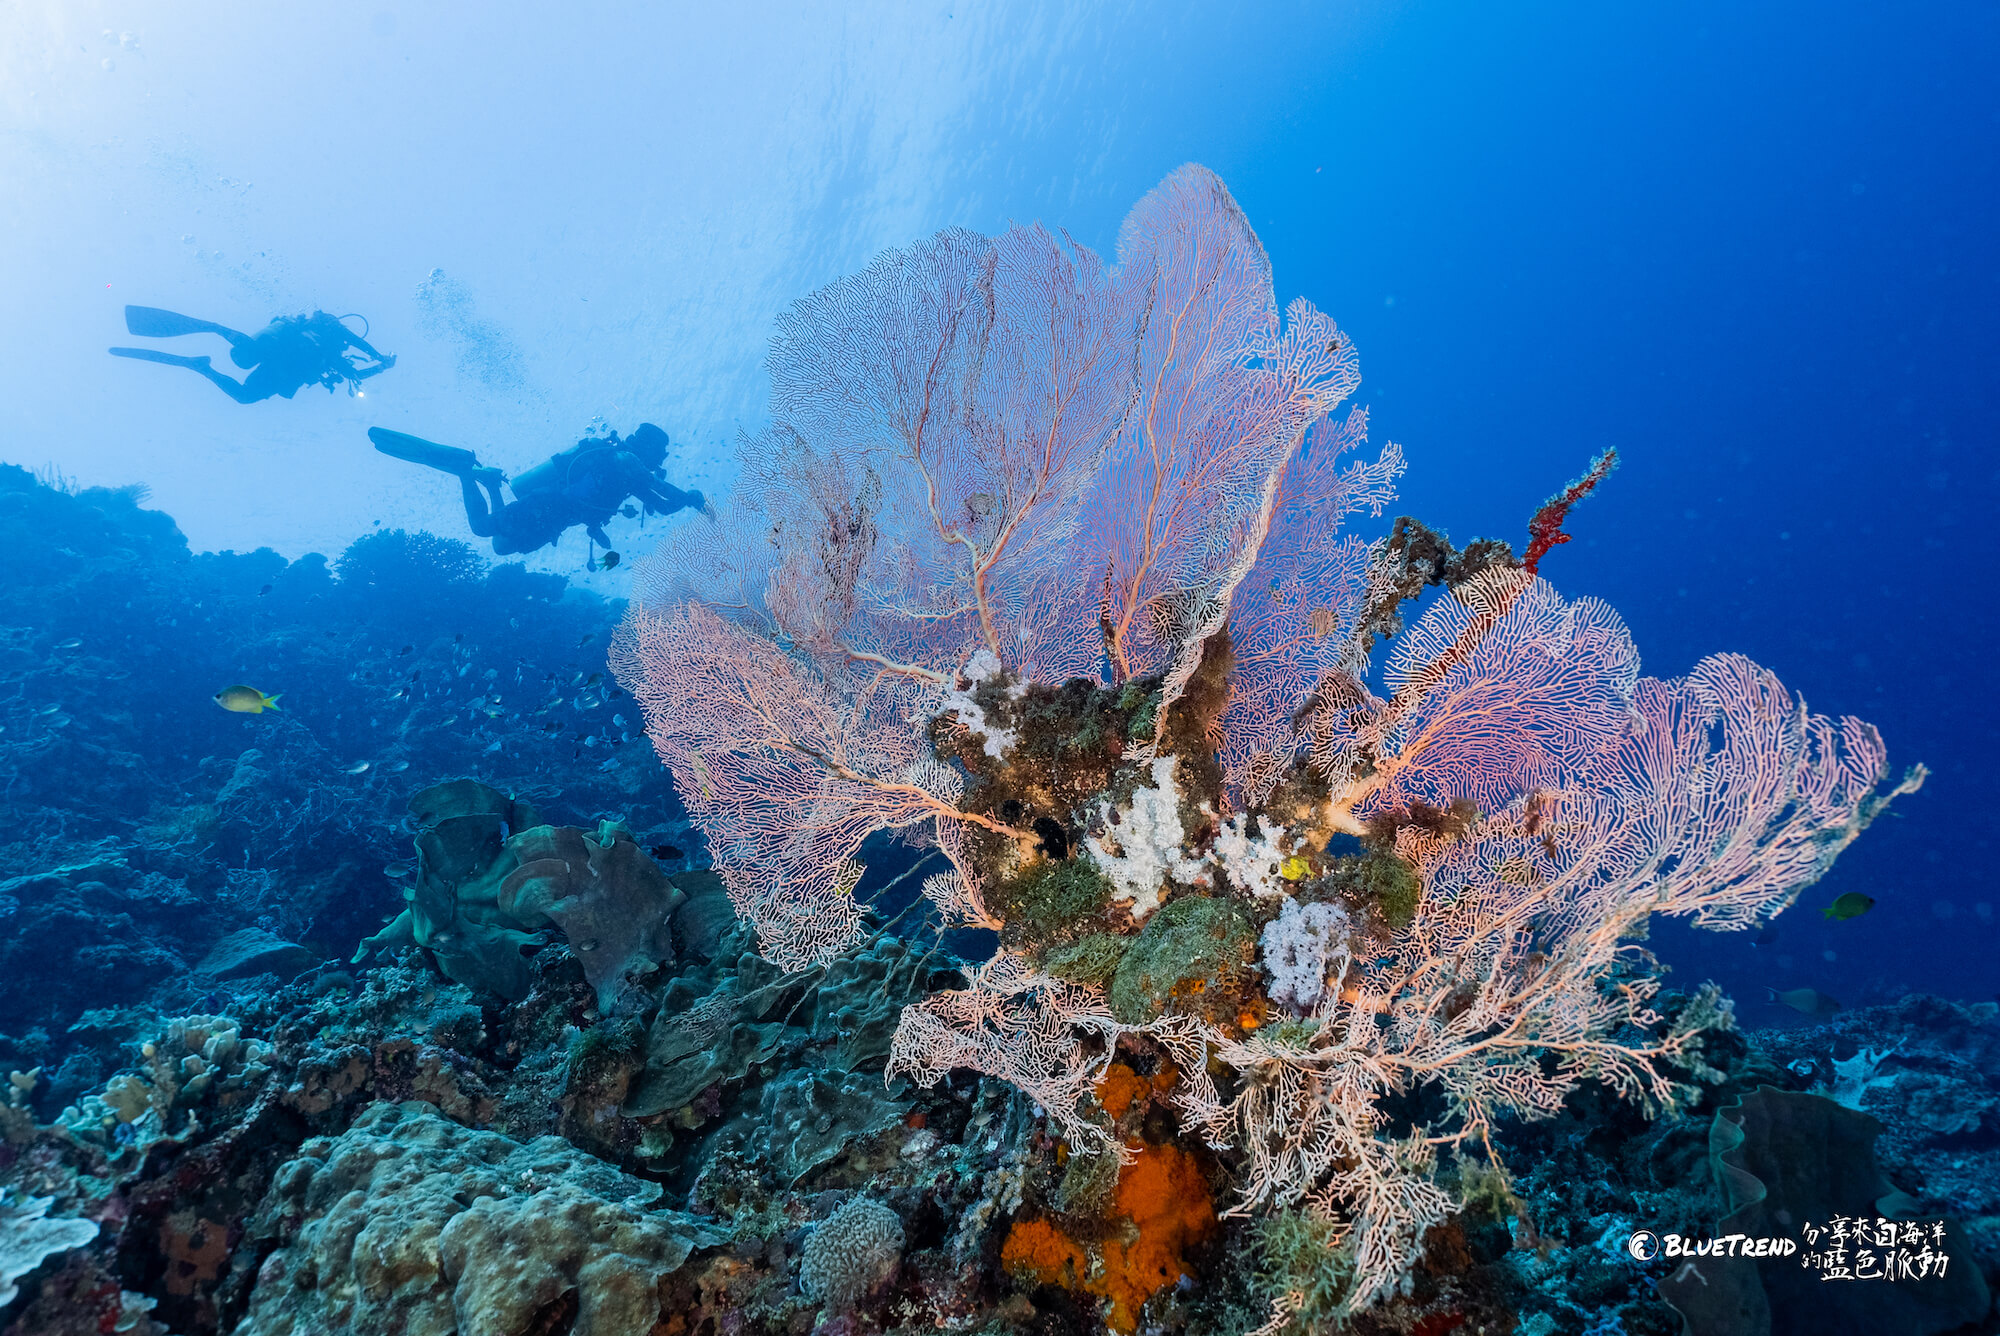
[996, 465]
[997, 451]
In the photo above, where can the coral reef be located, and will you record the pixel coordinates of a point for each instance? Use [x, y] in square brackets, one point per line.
[148, 825]
[409, 1222]
[28, 1238]
[1110, 654]
[851, 1252]
[488, 876]
[1059, 921]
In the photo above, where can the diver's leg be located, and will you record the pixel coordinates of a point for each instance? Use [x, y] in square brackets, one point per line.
[198, 365]
[282, 377]
[479, 516]
[150, 322]
[416, 450]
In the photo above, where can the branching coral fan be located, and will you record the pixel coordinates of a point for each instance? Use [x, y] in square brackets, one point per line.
[1043, 562]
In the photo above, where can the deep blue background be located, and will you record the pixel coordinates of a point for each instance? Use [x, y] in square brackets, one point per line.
[1753, 248]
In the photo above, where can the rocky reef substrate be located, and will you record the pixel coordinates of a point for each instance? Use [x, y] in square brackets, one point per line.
[412, 1008]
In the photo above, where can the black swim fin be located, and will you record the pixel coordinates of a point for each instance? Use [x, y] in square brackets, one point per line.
[150, 322]
[417, 450]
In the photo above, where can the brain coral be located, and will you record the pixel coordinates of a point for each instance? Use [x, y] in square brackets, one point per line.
[854, 1250]
[410, 1225]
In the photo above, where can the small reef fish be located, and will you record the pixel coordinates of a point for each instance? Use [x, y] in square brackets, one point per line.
[358, 768]
[398, 768]
[1851, 905]
[664, 852]
[245, 700]
[1767, 935]
[70, 644]
[610, 560]
[51, 709]
[1805, 1001]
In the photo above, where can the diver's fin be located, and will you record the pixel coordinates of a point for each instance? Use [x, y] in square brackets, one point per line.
[154, 355]
[417, 450]
[150, 322]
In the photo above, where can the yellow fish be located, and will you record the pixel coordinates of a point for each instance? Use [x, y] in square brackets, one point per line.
[245, 700]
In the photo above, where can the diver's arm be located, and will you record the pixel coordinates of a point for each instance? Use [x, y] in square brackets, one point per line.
[597, 535]
[667, 499]
[356, 341]
[349, 339]
[647, 494]
[382, 361]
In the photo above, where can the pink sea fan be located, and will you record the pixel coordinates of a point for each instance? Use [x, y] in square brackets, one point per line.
[1021, 1027]
[942, 414]
[1291, 621]
[1509, 687]
[785, 774]
[1225, 394]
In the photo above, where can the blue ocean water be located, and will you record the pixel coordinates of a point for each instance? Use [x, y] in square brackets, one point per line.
[1750, 248]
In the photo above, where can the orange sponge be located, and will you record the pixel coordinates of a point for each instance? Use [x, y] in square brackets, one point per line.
[1162, 1193]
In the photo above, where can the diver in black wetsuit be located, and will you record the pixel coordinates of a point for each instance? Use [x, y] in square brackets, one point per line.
[290, 353]
[585, 484]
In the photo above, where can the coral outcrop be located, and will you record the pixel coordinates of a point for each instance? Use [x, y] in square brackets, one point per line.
[28, 1237]
[851, 1252]
[408, 1222]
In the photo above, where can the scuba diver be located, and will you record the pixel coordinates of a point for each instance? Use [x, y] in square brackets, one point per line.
[290, 353]
[586, 484]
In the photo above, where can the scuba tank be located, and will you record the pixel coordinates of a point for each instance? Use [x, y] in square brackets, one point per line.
[545, 477]
[552, 475]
